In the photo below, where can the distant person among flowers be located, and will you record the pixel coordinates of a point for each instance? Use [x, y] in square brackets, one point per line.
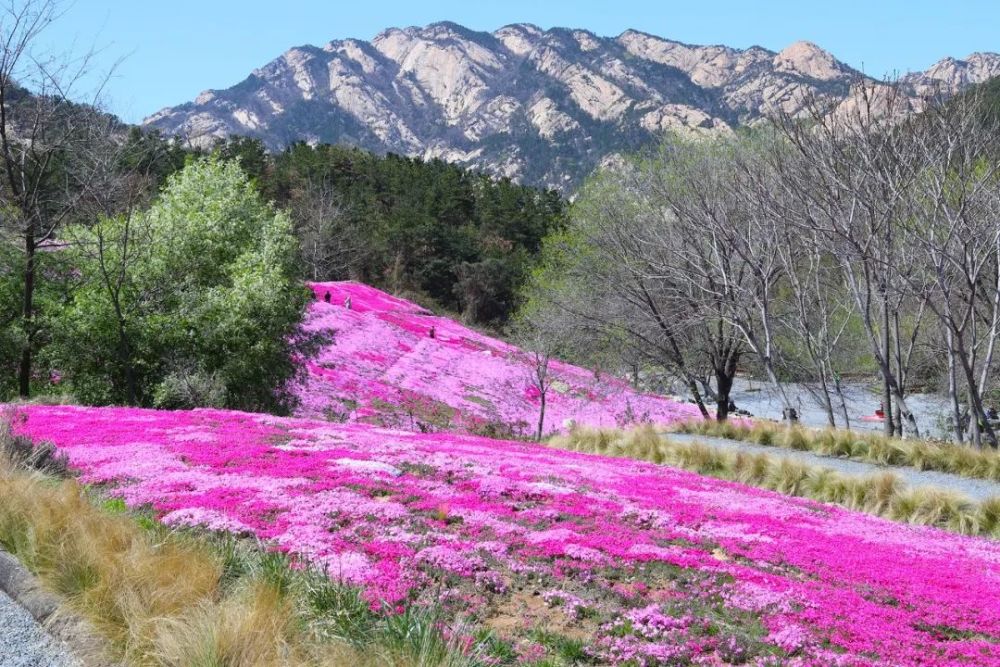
[326, 297]
[347, 302]
[431, 332]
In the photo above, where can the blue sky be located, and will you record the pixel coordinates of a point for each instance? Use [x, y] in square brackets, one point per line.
[174, 49]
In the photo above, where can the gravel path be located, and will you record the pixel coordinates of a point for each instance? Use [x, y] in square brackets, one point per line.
[977, 489]
[23, 643]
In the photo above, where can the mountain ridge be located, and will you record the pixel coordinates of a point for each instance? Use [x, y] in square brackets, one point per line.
[542, 107]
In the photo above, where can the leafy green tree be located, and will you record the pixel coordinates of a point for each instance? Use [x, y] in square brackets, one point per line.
[195, 301]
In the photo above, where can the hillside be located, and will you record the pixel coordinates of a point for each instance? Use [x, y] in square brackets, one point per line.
[541, 106]
[639, 564]
[384, 367]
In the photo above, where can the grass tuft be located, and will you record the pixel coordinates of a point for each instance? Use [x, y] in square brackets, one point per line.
[989, 517]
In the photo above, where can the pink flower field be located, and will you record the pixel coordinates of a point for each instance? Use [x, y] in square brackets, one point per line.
[647, 565]
[384, 367]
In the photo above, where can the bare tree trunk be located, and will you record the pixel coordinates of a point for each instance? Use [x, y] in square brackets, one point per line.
[900, 371]
[862, 295]
[889, 426]
[724, 385]
[788, 411]
[706, 389]
[698, 400]
[978, 418]
[842, 401]
[953, 390]
[827, 403]
[541, 418]
[974, 433]
[994, 320]
[27, 313]
[906, 415]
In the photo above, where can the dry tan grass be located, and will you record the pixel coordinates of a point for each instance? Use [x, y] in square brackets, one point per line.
[254, 626]
[883, 494]
[157, 601]
[866, 446]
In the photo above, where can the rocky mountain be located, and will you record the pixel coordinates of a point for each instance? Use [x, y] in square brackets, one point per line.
[950, 75]
[540, 106]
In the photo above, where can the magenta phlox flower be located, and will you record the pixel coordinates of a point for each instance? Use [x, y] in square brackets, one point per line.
[401, 514]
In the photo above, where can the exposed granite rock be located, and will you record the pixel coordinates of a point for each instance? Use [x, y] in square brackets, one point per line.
[539, 106]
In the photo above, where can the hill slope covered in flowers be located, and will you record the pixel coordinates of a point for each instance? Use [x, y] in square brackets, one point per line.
[393, 363]
[643, 564]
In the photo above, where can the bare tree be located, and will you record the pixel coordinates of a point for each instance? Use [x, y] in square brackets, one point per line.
[848, 180]
[863, 221]
[719, 193]
[541, 381]
[48, 169]
[951, 226]
[623, 280]
[817, 319]
[329, 240]
[541, 335]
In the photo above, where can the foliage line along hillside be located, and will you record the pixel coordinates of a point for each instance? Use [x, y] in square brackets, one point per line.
[105, 326]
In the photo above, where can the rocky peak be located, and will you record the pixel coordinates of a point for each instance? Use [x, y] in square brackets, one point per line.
[949, 75]
[587, 40]
[807, 59]
[707, 66]
[357, 51]
[452, 69]
[519, 38]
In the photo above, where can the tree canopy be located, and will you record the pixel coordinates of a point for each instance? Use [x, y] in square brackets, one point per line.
[462, 239]
[195, 301]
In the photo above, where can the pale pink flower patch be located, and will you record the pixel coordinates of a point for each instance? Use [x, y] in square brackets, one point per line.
[382, 366]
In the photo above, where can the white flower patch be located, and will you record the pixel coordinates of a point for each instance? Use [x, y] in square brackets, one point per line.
[206, 518]
[651, 550]
[361, 465]
[586, 554]
[739, 531]
[552, 535]
[546, 487]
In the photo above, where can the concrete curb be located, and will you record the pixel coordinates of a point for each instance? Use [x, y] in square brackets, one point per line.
[73, 632]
